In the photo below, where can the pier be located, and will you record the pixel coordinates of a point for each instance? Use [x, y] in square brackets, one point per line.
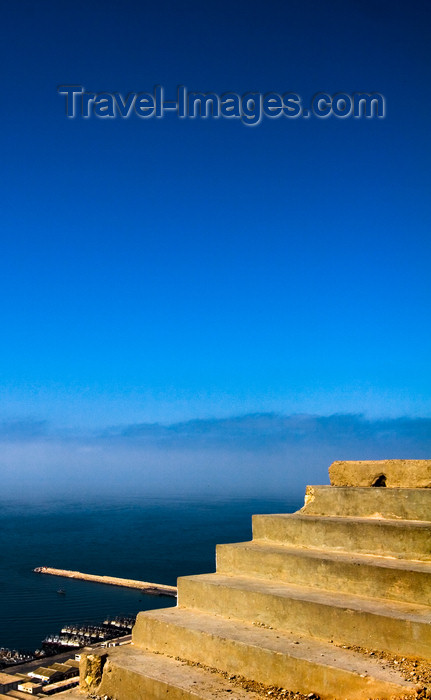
[143, 586]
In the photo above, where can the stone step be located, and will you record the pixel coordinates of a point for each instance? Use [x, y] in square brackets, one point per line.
[405, 539]
[267, 656]
[404, 504]
[135, 674]
[392, 473]
[401, 628]
[362, 574]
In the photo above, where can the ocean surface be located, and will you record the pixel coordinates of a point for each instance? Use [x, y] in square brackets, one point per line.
[150, 539]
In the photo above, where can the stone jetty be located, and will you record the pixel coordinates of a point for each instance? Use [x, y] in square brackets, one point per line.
[143, 586]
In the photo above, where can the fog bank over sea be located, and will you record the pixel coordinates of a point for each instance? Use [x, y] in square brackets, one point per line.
[253, 455]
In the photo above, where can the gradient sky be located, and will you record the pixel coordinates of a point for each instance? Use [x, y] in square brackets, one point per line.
[162, 271]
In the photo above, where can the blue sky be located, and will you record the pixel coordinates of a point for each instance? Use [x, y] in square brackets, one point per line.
[168, 271]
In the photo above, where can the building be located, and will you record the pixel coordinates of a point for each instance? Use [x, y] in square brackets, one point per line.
[52, 688]
[46, 675]
[30, 687]
[65, 669]
[8, 682]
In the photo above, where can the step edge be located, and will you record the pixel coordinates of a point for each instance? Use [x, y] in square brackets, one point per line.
[336, 519]
[410, 612]
[389, 561]
[343, 659]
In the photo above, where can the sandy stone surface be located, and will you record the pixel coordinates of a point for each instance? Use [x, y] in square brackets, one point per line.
[392, 473]
[415, 670]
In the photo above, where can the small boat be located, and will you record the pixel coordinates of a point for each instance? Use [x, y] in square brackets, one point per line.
[61, 591]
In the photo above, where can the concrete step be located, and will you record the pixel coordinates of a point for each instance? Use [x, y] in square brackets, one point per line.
[135, 674]
[267, 656]
[396, 503]
[362, 574]
[395, 473]
[401, 628]
[404, 539]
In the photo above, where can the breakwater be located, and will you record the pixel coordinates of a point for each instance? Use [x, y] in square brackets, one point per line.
[144, 586]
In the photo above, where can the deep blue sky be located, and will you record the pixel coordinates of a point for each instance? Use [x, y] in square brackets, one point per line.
[167, 270]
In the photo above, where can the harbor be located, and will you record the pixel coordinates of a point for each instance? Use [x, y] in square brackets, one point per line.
[110, 632]
[76, 636]
[55, 668]
[143, 586]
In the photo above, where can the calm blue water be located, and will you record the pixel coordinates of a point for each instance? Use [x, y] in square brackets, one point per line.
[148, 539]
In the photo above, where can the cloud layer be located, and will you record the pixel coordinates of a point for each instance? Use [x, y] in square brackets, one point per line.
[271, 431]
[242, 456]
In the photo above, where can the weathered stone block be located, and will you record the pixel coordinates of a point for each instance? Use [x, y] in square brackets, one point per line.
[91, 670]
[393, 473]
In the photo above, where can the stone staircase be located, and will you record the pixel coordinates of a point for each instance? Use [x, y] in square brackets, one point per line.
[351, 568]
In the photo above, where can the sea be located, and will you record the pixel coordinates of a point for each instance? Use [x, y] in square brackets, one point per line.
[152, 539]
